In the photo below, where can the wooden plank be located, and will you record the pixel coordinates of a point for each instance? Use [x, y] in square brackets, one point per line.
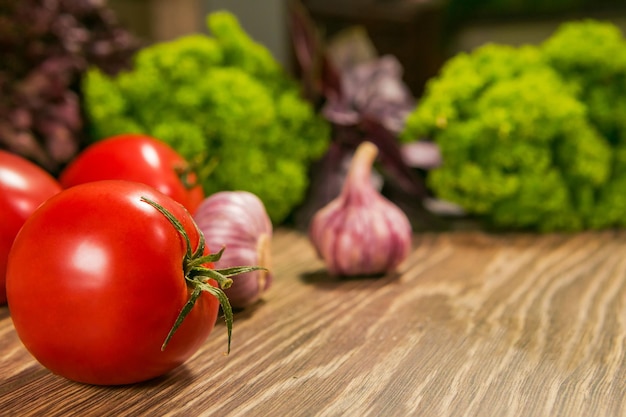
[473, 324]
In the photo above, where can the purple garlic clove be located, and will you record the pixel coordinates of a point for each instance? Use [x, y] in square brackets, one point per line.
[361, 232]
[238, 221]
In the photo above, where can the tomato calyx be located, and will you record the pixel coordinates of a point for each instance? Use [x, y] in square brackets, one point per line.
[199, 167]
[197, 275]
[184, 173]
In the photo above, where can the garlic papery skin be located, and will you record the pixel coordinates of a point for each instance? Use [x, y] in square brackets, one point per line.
[360, 232]
[238, 221]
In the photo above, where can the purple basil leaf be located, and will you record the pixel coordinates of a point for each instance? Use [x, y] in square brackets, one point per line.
[365, 98]
[421, 154]
[319, 76]
[47, 45]
[374, 88]
[390, 157]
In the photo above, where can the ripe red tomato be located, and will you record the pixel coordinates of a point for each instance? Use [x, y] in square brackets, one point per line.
[95, 283]
[23, 187]
[140, 158]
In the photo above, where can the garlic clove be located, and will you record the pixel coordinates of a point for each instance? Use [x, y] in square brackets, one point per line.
[361, 232]
[238, 221]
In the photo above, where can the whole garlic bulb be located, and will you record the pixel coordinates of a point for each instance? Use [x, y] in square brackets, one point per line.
[238, 221]
[361, 232]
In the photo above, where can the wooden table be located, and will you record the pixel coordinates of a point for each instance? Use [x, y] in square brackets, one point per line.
[473, 325]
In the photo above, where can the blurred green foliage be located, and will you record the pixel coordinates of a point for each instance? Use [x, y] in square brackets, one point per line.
[533, 137]
[223, 102]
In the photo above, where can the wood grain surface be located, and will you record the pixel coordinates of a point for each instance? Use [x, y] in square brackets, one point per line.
[472, 325]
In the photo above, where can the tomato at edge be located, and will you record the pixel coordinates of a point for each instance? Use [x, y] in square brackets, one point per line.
[23, 187]
[135, 157]
[95, 283]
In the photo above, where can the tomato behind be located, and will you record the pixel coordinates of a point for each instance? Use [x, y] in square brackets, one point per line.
[23, 187]
[95, 283]
[136, 157]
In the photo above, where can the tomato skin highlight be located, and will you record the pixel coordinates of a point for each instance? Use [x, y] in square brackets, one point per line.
[95, 283]
[135, 157]
[23, 187]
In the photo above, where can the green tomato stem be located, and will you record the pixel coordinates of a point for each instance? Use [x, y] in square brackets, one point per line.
[197, 276]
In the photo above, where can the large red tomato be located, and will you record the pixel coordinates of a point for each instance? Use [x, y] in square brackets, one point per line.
[96, 280]
[140, 158]
[23, 187]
